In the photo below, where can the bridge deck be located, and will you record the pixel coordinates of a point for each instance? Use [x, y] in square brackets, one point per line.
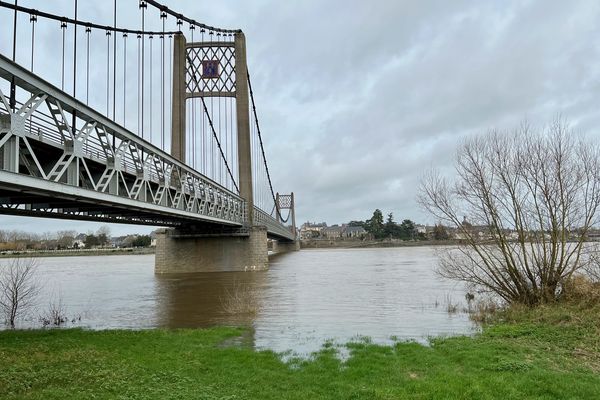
[95, 169]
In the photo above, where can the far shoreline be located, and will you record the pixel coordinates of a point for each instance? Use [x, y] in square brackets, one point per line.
[356, 244]
[304, 245]
[77, 252]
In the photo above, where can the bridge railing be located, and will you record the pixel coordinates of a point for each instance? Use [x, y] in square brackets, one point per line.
[60, 140]
[263, 218]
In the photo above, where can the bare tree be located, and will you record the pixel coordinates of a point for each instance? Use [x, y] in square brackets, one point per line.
[103, 235]
[18, 288]
[103, 230]
[593, 267]
[65, 239]
[522, 203]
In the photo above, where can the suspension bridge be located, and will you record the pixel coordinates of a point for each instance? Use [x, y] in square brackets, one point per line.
[153, 125]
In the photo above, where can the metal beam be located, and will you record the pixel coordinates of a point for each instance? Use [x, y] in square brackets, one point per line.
[29, 185]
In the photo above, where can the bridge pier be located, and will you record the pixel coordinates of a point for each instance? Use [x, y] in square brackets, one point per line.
[185, 251]
[279, 247]
[180, 252]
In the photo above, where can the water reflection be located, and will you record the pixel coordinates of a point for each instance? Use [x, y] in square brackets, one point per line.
[209, 299]
[304, 298]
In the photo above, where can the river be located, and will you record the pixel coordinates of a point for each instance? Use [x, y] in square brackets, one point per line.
[303, 300]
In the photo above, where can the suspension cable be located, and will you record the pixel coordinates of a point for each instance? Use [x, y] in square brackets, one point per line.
[163, 17]
[261, 145]
[214, 133]
[219, 112]
[13, 84]
[107, 73]
[150, 114]
[203, 128]
[88, 30]
[74, 115]
[226, 132]
[124, 78]
[213, 166]
[193, 127]
[143, 7]
[139, 47]
[14, 43]
[63, 26]
[170, 86]
[188, 20]
[232, 139]
[26, 10]
[33, 20]
[115, 64]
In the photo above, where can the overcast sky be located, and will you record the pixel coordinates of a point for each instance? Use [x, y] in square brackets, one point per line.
[357, 99]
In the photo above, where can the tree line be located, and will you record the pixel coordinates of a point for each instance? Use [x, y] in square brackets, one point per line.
[379, 228]
[18, 240]
[14, 240]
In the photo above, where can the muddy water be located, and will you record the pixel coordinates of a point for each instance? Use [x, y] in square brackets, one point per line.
[305, 298]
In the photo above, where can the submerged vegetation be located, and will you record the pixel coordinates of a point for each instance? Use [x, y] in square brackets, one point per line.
[241, 299]
[549, 352]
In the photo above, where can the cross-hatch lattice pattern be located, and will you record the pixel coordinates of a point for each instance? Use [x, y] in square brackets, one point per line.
[285, 202]
[198, 82]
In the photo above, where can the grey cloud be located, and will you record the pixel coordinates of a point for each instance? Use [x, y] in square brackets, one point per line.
[357, 99]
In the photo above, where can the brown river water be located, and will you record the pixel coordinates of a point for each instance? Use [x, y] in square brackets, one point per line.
[303, 300]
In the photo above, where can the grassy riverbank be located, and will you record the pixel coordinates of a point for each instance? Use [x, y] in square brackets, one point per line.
[549, 353]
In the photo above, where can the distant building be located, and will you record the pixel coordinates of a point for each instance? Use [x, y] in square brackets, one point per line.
[153, 237]
[593, 235]
[334, 232]
[310, 230]
[117, 241]
[78, 244]
[356, 232]
[79, 241]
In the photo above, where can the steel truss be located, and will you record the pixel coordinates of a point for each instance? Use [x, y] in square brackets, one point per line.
[56, 150]
[61, 159]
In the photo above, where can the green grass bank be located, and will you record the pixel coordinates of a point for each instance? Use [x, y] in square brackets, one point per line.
[546, 353]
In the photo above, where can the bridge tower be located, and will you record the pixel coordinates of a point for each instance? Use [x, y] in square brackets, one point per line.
[63, 157]
[202, 248]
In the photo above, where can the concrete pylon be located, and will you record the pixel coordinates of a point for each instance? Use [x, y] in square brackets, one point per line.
[243, 125]
[189, 250]
[178, 144]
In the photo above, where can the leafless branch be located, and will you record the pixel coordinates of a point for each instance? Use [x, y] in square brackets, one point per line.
[523, 203]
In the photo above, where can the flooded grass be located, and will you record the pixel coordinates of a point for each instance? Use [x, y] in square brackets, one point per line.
[549, 353]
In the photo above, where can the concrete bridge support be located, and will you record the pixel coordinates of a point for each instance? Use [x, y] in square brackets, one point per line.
[179, 252]
[279, 247]
[246, 250]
